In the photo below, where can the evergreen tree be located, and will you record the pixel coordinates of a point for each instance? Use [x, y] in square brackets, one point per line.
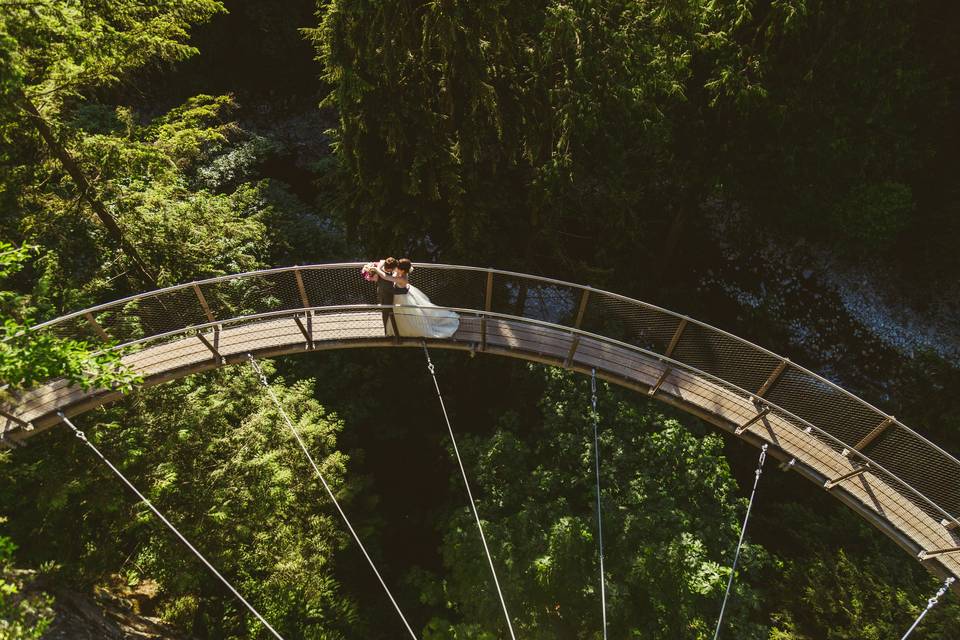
[54, 54]
[562, 135]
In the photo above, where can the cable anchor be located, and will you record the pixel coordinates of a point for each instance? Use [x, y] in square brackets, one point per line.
[593, 388]
[931, 603]
[426, 352]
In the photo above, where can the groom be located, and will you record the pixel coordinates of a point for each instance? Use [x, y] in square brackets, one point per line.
[385, 296]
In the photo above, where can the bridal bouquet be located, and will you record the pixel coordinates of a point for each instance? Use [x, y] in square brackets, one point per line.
[367, 271]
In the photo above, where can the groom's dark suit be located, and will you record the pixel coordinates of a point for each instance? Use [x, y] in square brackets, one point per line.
[385, 296]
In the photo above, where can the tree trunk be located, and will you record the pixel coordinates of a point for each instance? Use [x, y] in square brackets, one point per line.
[87, 191]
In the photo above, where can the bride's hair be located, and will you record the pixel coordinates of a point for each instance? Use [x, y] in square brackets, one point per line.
[404, 265]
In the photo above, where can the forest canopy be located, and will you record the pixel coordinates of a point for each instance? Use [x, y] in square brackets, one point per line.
[653, 148]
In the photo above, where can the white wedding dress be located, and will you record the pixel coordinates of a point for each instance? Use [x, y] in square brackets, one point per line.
[418, 317]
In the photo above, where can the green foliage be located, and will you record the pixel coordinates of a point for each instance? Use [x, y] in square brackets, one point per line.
[146, 175]
[213, 455]
[179, 189]
[670, 525]
[187, 131]
[146, 170]
[872, 215]
[195, 234]
[28, 358]
[587, 132]
[840, 581]
[842, 135]
[57, 49]
[61, 53]
[568, 126]
[21, 617]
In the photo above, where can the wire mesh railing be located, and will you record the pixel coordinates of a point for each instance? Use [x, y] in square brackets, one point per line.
[926, 474]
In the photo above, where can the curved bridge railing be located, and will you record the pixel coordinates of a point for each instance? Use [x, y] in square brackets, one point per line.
[566, 324]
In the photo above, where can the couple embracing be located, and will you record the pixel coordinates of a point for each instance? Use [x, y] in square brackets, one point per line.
[412, 314]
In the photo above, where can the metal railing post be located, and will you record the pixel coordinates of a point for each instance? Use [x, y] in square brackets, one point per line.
[214, 346]
[96, 327]
[12, 418]
[668, 353]
[307, 331]
[576, 325]
[487, 305]
[772, 379]
[303, 291]
[203, 303]
[873, 435]
[926, 555]
[746, 425]
[830, 484]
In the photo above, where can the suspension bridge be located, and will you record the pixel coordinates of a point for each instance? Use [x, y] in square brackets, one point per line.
[887, 473]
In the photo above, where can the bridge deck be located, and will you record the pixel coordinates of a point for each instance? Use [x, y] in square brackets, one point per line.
[175, 356]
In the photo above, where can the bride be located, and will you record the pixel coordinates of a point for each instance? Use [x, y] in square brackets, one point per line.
[416, 316]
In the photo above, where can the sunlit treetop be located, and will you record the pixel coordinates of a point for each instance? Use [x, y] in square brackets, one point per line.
[50, 49]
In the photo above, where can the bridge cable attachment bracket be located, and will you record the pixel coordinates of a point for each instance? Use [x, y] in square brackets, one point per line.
[787, 465]
[931, 603]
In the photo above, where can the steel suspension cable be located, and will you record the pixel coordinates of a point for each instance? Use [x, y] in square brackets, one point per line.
[333, 498]
[931, 603]
[83, 438]
[466, 483]
[596, 460]
[743, 531]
